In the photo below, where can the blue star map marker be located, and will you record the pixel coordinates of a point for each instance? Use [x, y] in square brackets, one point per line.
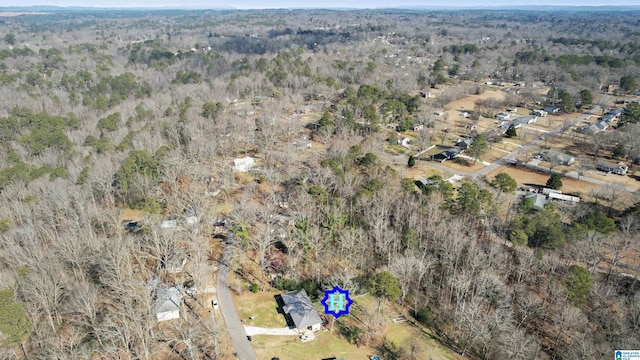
[336, 302]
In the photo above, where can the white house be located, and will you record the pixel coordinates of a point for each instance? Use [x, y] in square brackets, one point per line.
[404, 141]
[608, 166]
[167, 303]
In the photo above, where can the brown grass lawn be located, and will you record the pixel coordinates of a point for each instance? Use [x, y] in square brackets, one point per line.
[461, 164]
[469, 103]
[524, 177]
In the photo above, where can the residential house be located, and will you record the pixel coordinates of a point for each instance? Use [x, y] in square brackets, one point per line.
[448, 154]
[299, 311]
[529, 119]
[557, 157]
[503, 116]
[552, 109]
[404, 141]
[616, 112]
[595, 128]
[464, 114]
[417, 127]
[608, 166]
[608, 117]
[539, 112]
[464, 144]
[539, 200]
[591, 129]
[506, 125]
[167, 303]
[424, 182]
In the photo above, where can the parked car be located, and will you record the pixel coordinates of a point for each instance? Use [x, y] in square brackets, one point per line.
[214, 304]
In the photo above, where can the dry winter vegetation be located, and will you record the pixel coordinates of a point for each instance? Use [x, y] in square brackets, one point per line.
[108, 117]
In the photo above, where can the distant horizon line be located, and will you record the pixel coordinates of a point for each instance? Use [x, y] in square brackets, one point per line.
[538, 7]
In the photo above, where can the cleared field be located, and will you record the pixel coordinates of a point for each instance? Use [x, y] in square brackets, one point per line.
[527, 178]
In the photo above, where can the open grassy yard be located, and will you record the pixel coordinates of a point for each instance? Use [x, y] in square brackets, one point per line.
[325, 345]
[262, 306]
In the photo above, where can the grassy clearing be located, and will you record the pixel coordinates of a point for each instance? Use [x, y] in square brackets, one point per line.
[262, 306]
[325, 345]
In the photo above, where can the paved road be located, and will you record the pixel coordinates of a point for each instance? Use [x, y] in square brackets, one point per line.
[238, 335]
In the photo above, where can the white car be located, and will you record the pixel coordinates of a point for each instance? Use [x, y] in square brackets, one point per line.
[214, 304]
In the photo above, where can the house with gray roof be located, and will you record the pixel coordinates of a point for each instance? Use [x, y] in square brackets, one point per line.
[608, 166]
[299, 311]
[539, 200]
[525, 119]
[557, 157]
[167, 303]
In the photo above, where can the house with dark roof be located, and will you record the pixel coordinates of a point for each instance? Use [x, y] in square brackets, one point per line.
[449, 154]
[464, 144]
[616, 112]
[299, 311]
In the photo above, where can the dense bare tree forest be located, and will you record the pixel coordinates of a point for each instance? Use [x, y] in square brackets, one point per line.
[108, 112]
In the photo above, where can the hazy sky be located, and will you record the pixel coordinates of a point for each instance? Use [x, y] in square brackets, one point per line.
[261, 4]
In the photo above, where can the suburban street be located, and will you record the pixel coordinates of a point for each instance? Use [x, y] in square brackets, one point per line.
[236, 330]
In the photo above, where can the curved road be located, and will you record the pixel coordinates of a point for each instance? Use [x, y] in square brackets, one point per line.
[238, 335]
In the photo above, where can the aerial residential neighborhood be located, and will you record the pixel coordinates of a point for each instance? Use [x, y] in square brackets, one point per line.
[299, 182]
